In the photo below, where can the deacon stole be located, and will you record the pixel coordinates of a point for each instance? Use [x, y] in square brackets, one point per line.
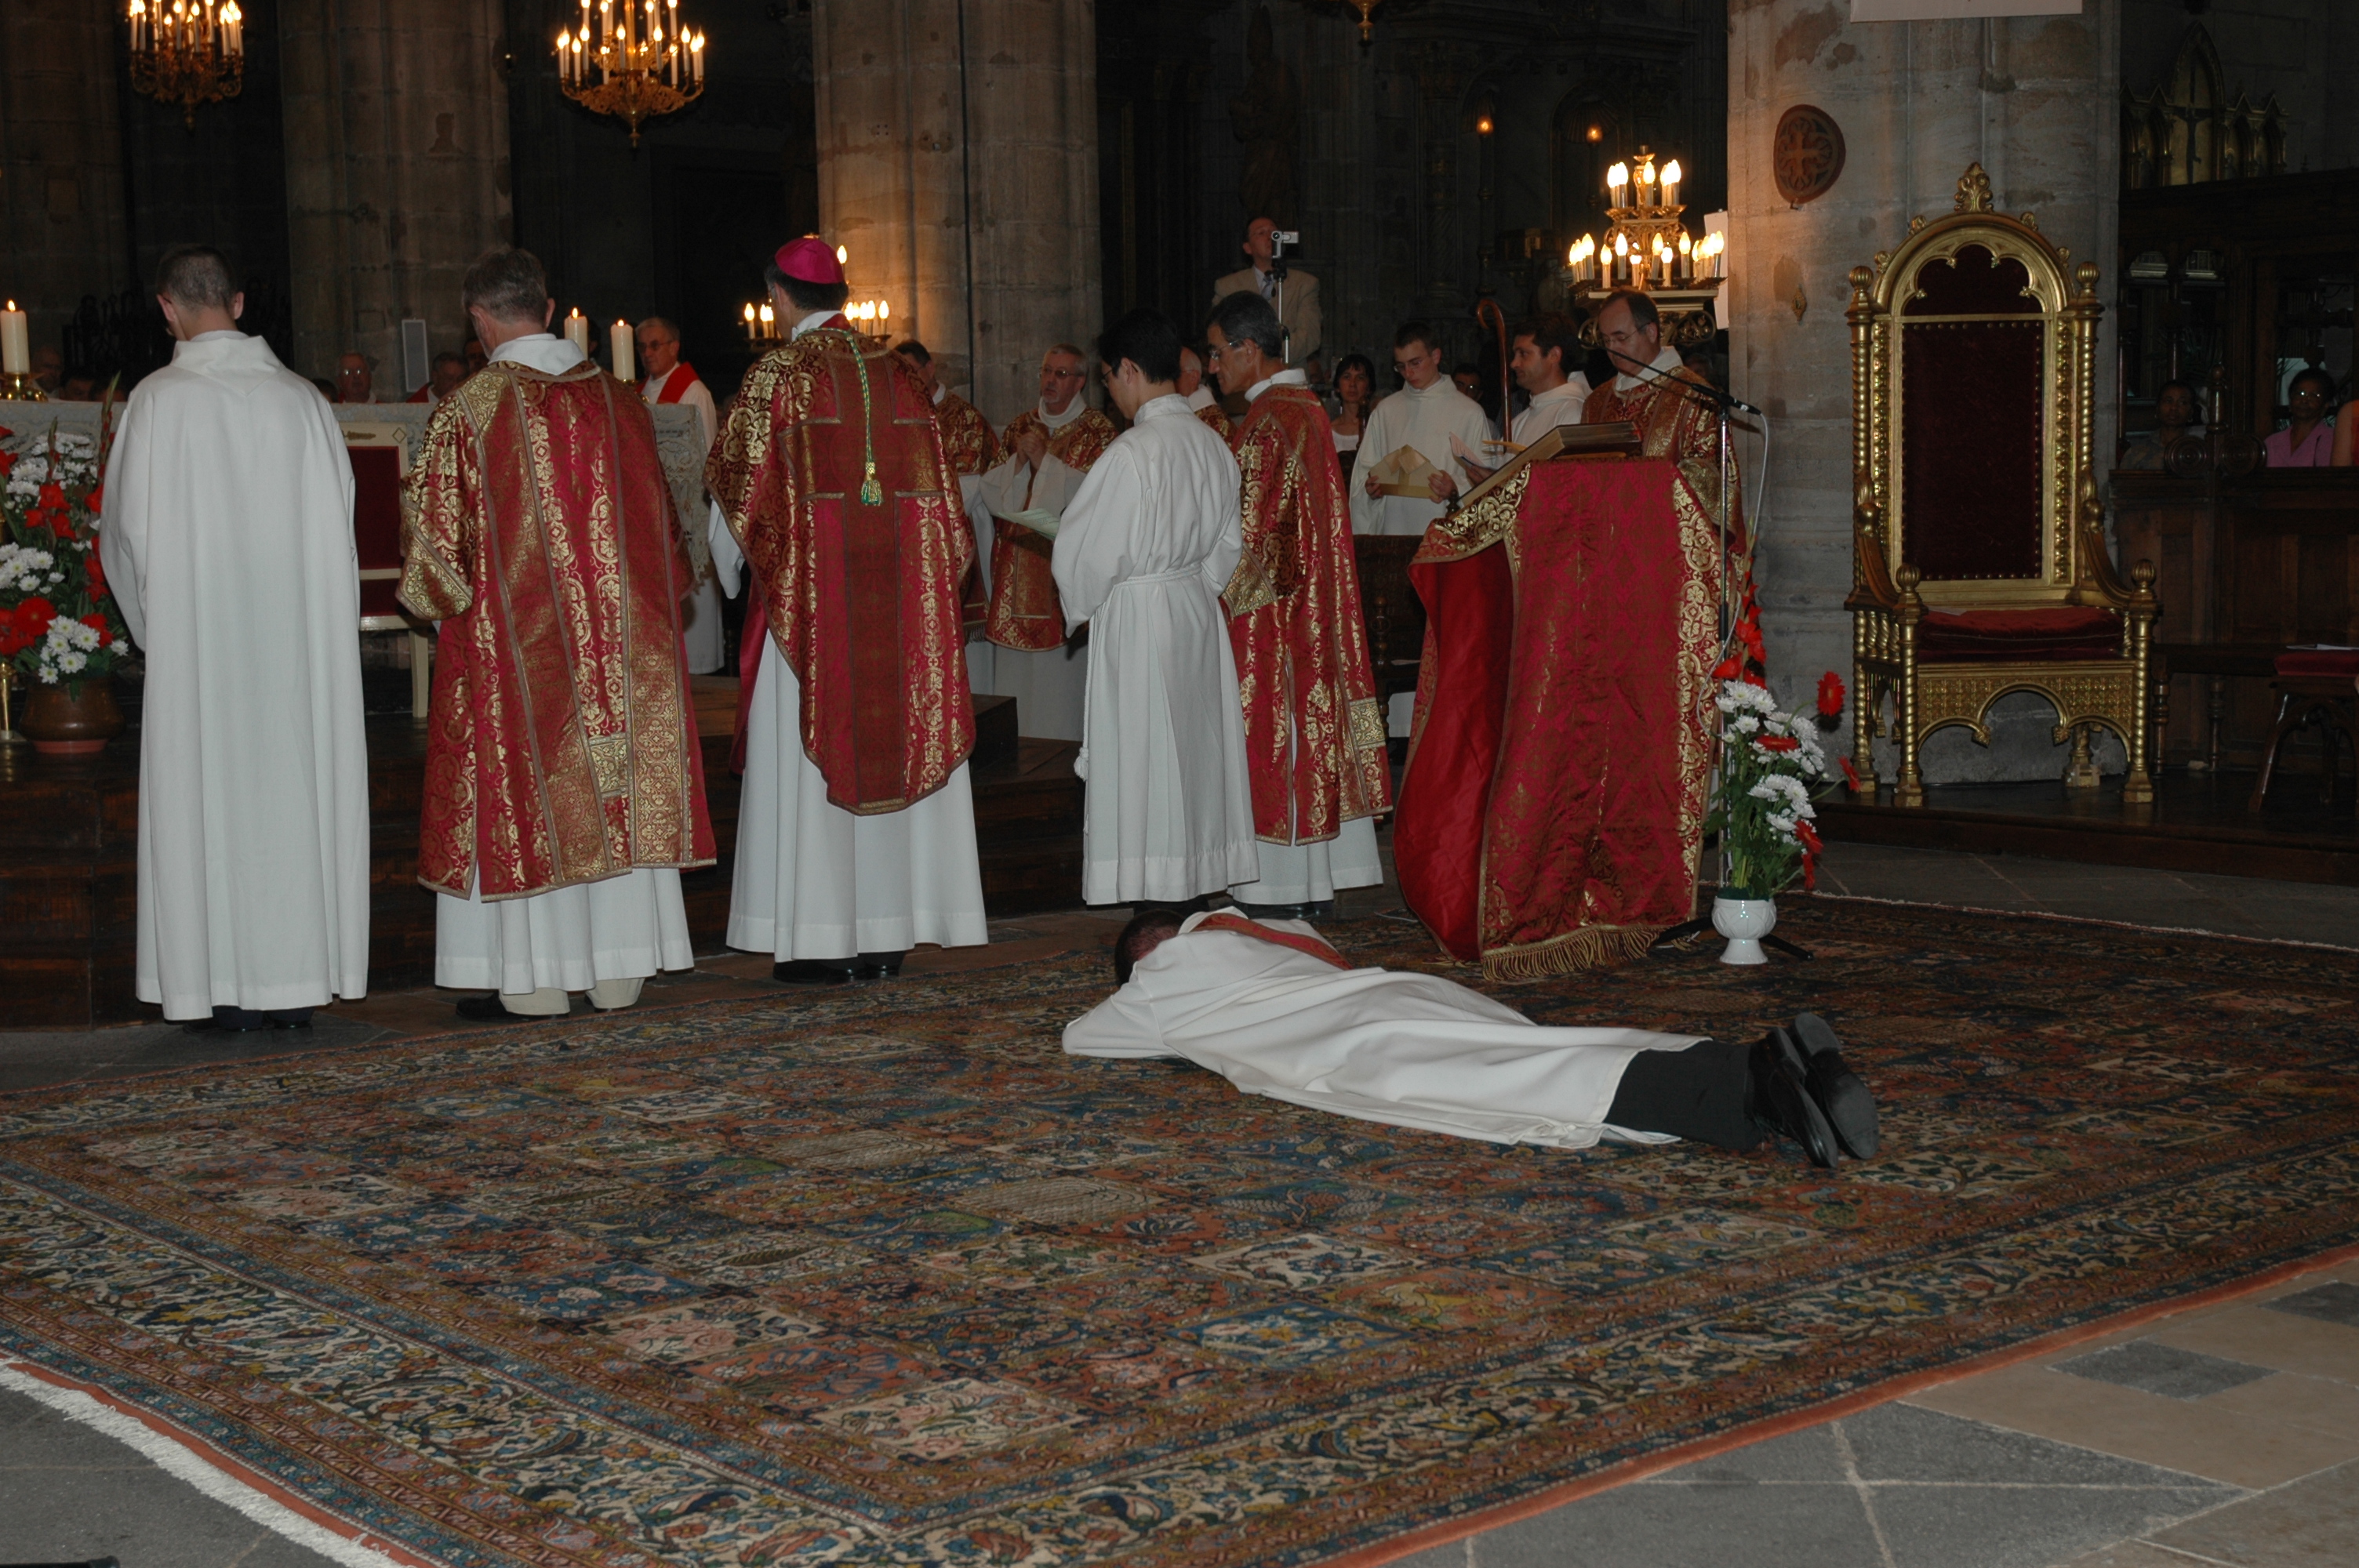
[1314, 731]
[972, 450]
[676, 384]
[1552, 810]
[1024, 611]
[561, 748]
[830, 471]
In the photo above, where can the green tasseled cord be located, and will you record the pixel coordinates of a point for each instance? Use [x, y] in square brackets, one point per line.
[872, 493]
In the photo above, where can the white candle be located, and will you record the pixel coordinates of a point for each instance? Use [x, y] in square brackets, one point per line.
[619, 339]
[15, 346]
[577, 331]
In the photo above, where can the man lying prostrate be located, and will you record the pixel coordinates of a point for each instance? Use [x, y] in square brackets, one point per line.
[1270, 1006]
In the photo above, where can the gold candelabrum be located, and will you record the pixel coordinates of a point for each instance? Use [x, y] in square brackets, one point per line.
[186, 51]
[632, 62]
[872, 319]
[1648, 247]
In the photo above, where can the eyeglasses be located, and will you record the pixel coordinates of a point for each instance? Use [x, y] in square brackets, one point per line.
[1064, 376]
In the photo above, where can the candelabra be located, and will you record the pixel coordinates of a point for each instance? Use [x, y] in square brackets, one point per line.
[643, 63]
[186, 51]
[1648, 247]
[762, 324]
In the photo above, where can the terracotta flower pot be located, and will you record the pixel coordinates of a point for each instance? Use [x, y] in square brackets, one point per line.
[71, 719]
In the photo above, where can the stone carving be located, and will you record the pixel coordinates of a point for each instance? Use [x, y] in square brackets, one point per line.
[1807, 155]
[1267, 119]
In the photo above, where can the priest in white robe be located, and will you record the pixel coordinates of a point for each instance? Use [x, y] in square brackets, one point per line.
[855, 828]
[1544, 347]
[1144, 550]
[1427, 415]
[1273, 1007]
[226, 535]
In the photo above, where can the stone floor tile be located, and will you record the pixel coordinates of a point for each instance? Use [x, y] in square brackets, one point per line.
[2132, 1554]
[1457, 1555]
[2333, 1301]
[2311, 1523]
[2022, 1526]
[1800, 1526]
[1904, 1444]
[2313, 1404]
[1810, 1454]
[2165, 1369]
[2264, 1338]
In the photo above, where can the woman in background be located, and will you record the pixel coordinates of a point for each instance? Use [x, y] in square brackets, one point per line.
[2307, 441]
[1355, 393]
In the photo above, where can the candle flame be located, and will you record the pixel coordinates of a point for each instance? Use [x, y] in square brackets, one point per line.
[749, 312]
[230, 13]
[842, 255]
[1618, 175]
[1671, 172]
[885, 310]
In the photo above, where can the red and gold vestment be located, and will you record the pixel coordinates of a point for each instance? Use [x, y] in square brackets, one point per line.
[537, 527]
[1215, 420]
[831, 470]
[1024, 611]
[967, 439]
[1314, 731]
[1683, 428]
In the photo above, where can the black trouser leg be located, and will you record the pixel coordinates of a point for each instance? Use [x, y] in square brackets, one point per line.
[1698, 1094]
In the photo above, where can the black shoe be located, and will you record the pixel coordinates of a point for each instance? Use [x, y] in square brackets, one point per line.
[1271, 911]
[1780, 1095]
[814, 971]
[881, 966]
[244, 1021]
[1841, 1093]
[486, 1009]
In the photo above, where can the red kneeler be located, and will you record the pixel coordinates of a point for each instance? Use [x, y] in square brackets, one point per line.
[2313, 684]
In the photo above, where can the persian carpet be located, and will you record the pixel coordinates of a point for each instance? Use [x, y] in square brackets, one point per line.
[880, 1277]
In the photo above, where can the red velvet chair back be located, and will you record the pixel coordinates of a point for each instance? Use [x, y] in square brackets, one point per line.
[1973, 363]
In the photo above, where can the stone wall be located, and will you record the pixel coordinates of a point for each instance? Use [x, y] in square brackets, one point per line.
[2036, 102]
[61, 160]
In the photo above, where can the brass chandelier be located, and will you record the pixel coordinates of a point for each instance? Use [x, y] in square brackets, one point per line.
[631, 61]
[186, 51]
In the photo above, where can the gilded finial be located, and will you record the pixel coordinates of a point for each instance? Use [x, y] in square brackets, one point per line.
[1973, 189]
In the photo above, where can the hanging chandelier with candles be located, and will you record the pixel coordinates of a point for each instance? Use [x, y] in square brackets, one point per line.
[1647, 246]
[634, 62]
[186, 52]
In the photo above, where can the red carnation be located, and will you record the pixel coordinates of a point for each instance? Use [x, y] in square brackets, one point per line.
[1830, 695]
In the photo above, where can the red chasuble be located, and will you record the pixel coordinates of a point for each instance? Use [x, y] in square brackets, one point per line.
[1215, 420]
[1314, 731]
[1683, 429]
[561, 746]
[1553, 807]
[973, 448]
[831, 470]
[1024, 611]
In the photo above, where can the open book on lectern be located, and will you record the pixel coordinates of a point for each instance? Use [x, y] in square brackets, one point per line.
[1612, 439]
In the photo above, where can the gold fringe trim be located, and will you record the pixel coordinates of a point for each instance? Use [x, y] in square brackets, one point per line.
[1591, 948]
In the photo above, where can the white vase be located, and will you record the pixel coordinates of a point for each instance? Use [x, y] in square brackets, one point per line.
[1743, 921]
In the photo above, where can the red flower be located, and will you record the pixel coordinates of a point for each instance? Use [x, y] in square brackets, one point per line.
[1729, 668]
[96, 621]
[7, 459]
[1808, 836]
[33, 617]
[1780, 743]
[1830, 695]
[61, 522]
[1851, 774]
[97, 495]
[53, 494]
[97, 573]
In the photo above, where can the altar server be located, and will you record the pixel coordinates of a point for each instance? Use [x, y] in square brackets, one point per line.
[856, 835]
[226, 535]
[972, 447]
[1425, 416]
[1273, 1007]
[1314, 733]
[564, 791]
[1143, 551]
[669, 379]
[1047, 451]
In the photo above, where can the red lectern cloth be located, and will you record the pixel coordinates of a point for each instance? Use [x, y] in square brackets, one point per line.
[1552, 809]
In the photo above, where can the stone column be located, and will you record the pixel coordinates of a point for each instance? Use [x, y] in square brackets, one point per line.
[61, 160]
[958, 166]
[397, 169]
[2036, 101]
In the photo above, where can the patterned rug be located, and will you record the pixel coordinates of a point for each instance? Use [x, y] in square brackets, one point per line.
[880, 1277]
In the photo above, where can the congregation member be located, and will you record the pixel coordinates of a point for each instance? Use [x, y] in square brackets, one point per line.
[1425, 416]
[228, 545]
[448, 369]
[2308, 440]
[1202, 402]
[665, 379]
[1650, 391]
[1314, 731]
[1149, 541]
[972, 447]
[1271, 1006]
[565, 792]
[1045, 453]
[2178, 417]
[1356, 394]
[49, 369]
[355, 378]
[834, 496]
[1292, 293]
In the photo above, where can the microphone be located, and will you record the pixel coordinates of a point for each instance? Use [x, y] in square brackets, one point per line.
[1695, 388]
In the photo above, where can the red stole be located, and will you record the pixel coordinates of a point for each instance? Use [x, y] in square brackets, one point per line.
[1314, 731]
[1239, 925]
[676, 384]
[860, 594]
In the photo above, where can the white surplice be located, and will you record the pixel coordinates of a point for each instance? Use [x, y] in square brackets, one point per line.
[1050, 685]
[701, 621]
[1409, 1050]
[570, 938]
[1424, 420]
[814, 880]
[1557, 406]
[1310, 873]
[1146, 546]
[227, 538]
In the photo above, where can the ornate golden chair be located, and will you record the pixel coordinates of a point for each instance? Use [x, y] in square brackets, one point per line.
[1980, 566]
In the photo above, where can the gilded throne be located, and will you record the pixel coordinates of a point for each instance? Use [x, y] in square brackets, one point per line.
[1980, 566]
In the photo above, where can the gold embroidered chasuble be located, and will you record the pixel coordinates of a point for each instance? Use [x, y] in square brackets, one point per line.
[967, 437]
[538, 528]
[1683, 428]
[1024, 613]
[1314, 731]
[832, 473]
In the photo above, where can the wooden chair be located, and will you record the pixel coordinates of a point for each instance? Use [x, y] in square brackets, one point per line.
[1980, 566]
[1391, 610]
[380, 459]
[2313, 687]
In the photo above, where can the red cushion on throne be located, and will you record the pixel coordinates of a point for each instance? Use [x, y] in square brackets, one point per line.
[377, 524]
[2330, 661]
[1994, 636]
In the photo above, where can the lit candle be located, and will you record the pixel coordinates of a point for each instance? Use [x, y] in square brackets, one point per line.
[1617, 179]
[884, 310]
[138, 14]
[1671, 176]
[577, 330]
[234, 28]
[1621, 260]
[15, 345]
[1683, 269]
[624, 348]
